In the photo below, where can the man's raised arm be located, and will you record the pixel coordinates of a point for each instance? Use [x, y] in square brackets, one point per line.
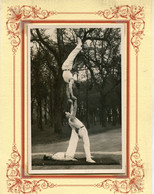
[74, 108]
[71, 108]
[71, 82]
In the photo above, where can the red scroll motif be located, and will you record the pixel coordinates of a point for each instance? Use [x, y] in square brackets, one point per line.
[135, 184]
[135, 14]
[16, 184]
[15, 14]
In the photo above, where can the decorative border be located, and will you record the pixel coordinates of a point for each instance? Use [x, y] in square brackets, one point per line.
[17, 185]
[18, 13]
[135, 184]
[135, 15]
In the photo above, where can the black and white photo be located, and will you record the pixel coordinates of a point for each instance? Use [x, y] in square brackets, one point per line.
[76, 99]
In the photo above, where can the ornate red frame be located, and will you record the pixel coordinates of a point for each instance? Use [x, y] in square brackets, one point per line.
[135, 16]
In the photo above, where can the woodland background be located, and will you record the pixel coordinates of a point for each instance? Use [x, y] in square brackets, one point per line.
[97, 69]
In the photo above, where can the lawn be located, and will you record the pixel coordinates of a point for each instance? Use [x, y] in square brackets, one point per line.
[47, 136]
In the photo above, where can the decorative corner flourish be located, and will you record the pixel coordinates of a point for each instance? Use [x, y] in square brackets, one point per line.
[16, 184]
[134, 184]
[17, 13]
[135, 14]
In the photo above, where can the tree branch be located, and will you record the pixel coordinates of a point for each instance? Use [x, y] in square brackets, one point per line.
[47, 45]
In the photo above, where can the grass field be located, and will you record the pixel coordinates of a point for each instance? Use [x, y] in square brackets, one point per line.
[48, 136]
[106, 149]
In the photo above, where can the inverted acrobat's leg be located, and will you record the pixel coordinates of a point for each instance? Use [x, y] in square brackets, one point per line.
[72, 55]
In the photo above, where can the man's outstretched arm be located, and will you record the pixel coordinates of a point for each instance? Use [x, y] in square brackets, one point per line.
[74, 108]
[71, 82]
[71, 108]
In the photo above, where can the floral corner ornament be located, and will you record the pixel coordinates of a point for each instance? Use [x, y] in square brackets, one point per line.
[17, 13]
[16, 184]
[135, 184]
[134, 14]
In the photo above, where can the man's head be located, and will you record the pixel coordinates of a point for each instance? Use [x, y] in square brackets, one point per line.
[67, 114]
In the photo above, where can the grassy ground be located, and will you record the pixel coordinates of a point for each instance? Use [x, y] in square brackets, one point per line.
[103, 160]
[48, 136]
[106, 149]
[109, 141]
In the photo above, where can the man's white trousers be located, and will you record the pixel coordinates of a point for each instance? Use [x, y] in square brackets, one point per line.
[74, 141]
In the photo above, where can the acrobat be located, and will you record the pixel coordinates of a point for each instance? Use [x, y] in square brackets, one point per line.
[67, 67]
[78, 131]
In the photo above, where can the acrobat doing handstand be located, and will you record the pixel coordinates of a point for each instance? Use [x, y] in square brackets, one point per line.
[67, 67]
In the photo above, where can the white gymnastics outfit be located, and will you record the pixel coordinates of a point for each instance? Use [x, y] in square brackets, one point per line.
[78, 130]
[68, 64]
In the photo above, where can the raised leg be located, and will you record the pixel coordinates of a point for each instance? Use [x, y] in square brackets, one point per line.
[69, 61]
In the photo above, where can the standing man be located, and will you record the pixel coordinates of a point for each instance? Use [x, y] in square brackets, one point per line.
[78, 130]
[67, 67]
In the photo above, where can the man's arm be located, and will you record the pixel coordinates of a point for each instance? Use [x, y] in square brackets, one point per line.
[71, 108]
[74, 108]
[71, 90]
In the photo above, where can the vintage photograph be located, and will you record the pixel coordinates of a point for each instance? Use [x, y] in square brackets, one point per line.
[76, 100]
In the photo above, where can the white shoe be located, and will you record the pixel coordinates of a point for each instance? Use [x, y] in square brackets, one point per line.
[90, 161]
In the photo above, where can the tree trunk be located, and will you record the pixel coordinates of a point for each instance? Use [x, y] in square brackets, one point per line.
[58, 103]
[94, 117]
[103, 117]
[51, 106]
[59, 86]
[45, 111]
[114, 116]
[40, 115]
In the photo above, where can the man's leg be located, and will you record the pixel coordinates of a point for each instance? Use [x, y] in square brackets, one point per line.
[73, 54]
[84, 134]
[72, 144]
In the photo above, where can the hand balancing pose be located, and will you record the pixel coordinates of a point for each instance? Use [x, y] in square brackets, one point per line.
[67, 67]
